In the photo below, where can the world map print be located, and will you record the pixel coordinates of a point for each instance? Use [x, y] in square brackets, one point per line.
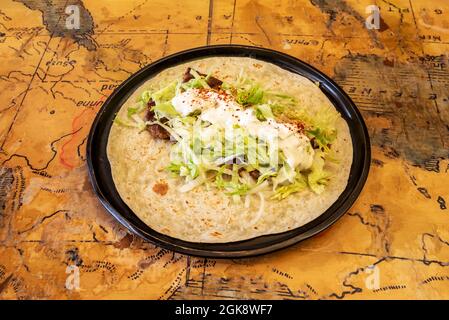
[392, 244]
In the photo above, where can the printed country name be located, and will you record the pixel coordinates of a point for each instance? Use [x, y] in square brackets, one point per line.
[303, 42]
[106, 88]
[430, 37]
[370, 92]
[61, 63]
[89, 103]
[118, 45]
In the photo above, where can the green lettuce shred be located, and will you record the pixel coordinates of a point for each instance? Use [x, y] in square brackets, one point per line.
[125, 123]
[283, 192]
[320, 126]
[165, 109]
[145, 96]
[263, 112]
[324, 137]
[165, 94]
[318, 178]
[252, 96]
[203, 161]
[138, 108]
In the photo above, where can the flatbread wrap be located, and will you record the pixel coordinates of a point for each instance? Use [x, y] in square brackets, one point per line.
[224, 149]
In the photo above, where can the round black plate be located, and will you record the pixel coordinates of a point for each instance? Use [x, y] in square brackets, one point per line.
[100, 171]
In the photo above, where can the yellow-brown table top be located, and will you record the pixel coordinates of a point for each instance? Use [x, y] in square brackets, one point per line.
[53, 83]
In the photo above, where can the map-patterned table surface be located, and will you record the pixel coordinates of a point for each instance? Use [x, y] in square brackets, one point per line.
[392, 244]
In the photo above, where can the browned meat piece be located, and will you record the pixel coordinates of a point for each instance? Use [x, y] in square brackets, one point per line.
[187, 75]
[158, 132]
[155, 130]
[149, 116]
[255, 174]
[314, 143]
[213, 82]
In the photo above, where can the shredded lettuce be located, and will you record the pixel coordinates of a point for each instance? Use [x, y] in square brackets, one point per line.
[318, 178]
[215, 157]
[282, 96]
[232, 186]
[285, 175]
[132, 120]
[197, 82]
[136, 109]
[125, 123]
[165, 109]
[268, 174]
[165, 94]
[189, 170]
[251, 96]
[320, 126]
[323, 137]
[145, 96]
[298, 185]
[263, 112]
[235, 188]
[227, 86]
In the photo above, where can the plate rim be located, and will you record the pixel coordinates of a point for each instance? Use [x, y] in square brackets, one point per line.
[205, 249]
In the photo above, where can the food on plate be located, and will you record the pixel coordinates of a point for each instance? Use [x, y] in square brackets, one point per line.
[224, 149]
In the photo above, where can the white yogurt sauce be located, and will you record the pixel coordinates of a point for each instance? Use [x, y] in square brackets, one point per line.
[220, 110]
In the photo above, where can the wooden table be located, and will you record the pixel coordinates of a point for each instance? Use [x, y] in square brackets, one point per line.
[393, 243]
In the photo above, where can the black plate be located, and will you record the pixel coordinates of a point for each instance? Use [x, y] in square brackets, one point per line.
[100, 171]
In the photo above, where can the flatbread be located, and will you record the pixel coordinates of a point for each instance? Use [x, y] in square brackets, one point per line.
[203, 214]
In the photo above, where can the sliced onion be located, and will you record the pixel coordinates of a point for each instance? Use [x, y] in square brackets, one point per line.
[191, 185]
[260, 211]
